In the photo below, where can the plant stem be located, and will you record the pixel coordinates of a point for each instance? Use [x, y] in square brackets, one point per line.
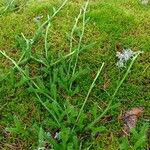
[113, 96]
[124, 77]
[89, 91]
[46, 39]
[80, 40]
[71, 38]
[48, 20]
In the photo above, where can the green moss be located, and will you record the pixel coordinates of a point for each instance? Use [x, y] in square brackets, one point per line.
[111, 22]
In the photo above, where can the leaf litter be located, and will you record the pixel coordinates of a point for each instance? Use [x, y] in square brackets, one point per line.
[130, 119]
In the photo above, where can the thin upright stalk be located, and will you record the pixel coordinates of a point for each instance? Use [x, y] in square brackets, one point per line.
[88, 94]
[125, 75]
[115, 92]
[48, 20]
[80, 40]
[71, 38]
[46, 39]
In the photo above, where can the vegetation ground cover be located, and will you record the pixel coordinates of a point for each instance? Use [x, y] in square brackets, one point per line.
[58, 73]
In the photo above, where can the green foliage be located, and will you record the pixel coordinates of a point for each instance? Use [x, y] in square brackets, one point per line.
[137, 140]
[57, 99]
[12, 5]
[18, 129]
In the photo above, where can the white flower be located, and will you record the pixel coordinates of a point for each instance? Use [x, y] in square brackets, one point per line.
[124, 57]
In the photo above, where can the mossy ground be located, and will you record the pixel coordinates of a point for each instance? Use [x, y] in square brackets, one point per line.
[111, 22]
